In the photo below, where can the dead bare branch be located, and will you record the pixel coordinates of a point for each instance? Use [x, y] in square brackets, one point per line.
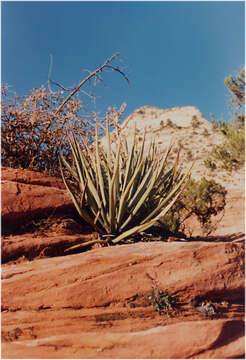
[60, 86]
[121, 72]
[50, 71]
[93, 74]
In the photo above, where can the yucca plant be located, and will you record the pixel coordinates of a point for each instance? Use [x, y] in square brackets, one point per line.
[120, 190]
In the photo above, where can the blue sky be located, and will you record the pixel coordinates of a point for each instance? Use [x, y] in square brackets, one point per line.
[174, 53]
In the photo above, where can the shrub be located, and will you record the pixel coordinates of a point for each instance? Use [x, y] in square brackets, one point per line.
[122, 192]
[205, 132]
[204, 199]
[236, 86]
[195, 123]
[170, 123]
[189, 155]
[31, 133]
[33, 127]
[163, 302]
[210, 164]
[231, 154]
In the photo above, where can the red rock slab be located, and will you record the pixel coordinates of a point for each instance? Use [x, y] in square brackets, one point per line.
[41, 322]
[29, 246]
[21, 203]
[30, 177]
[194, 339]
[95, 304]
[104, 276]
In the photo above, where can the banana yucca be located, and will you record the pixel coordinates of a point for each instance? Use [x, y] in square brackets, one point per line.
[121, 190]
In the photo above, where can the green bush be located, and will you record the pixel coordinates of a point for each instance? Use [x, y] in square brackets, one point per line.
[204, 199]
[236, 86]
[163, 302]
[121, 192]
[231, 154]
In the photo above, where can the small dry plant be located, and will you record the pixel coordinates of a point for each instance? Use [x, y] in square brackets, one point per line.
[163, 302]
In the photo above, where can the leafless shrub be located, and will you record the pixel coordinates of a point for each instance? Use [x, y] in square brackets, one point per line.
[35, 126]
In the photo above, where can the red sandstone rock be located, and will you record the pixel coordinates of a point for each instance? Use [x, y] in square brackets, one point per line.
[231, 222]
[191, 339]
[93, 277]
[29, 246]
[95, 304]
[30, 177]
[24, 199]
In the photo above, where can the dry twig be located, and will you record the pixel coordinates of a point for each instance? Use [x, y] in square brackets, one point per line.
[93, 74]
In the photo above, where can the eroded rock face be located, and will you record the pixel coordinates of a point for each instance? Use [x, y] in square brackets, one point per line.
[96, 304]
[180, 116]
[27, 195]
